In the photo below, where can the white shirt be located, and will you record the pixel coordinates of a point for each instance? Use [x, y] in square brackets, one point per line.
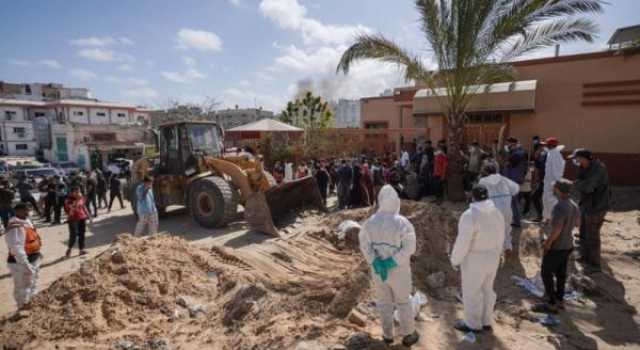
[16, 237]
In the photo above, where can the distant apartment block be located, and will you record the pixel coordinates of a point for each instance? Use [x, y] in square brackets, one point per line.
[347, 113]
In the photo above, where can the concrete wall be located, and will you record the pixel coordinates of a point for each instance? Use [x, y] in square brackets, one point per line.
[99, 116]
[17, 113]
[78, 115]
[120, 116]
[559, 111]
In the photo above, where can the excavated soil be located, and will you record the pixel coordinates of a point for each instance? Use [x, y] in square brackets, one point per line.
[307, 291]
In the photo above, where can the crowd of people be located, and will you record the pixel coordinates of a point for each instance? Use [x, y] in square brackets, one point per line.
[497, 182]
[76, 199]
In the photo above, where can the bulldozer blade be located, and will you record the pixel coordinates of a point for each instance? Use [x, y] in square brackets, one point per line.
[258, 215]
[262, 207]
[294, 195]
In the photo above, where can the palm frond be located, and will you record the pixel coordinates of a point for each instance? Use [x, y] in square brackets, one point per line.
[382, 49]
[551, 33]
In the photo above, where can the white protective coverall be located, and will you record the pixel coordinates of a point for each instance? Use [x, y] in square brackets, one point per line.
[501, 190]
[477, 251]
[288, 172]
[553, 171]
[388, 234]
[24, 273]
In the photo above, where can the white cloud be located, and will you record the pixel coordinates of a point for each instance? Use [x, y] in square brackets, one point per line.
[17, 62]
[124, 68]
[94, 41]
[189, 61]
[82, 74]
[104, 55]
[140, 93]
[127, 80]
[126, 41]
[51, 64]
[290, 14]
[189, 76]
[244, 83]
[367, 78]
[237, 3]
[198, 40]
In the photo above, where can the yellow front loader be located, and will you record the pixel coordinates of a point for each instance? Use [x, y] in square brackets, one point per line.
[192, 170]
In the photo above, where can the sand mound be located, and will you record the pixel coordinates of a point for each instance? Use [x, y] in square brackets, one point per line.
[436, 230]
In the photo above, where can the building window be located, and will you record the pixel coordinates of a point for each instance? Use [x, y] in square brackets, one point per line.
[121, 115]
[39, 114]
[78, 113]
[27, 89]
[101, 114]
[18, 130]
[484, 118]
[379, 125]
[9, 115]
[22, 147]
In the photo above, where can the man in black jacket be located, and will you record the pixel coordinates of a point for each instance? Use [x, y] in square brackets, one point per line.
[593, 185]
[115, 191]
[345, 178]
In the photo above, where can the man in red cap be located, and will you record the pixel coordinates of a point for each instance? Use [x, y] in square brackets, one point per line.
[554, 171]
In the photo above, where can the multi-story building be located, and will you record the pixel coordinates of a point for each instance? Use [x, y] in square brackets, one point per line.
[347, 113]
[41, 91]
[230, 118]
[45, 122]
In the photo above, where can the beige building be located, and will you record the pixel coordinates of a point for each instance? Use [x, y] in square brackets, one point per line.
[587, 100]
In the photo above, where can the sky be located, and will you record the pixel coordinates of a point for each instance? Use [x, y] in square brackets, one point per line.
[250, 53]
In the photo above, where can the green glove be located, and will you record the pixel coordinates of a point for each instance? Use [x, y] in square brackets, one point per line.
[382, 267]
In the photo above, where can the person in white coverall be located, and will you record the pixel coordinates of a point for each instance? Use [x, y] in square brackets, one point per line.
[387, 241]
[554, 171]
[24, 260]
[501, 189]
[477, 251]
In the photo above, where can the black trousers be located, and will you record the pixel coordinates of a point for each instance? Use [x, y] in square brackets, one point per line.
[526, 196]
[554, 265]
[92, 200]
[590, 225]
[536, 199]
[115, 195]
[102, 198]
[32, 201]
[77, 230]
[438, 187]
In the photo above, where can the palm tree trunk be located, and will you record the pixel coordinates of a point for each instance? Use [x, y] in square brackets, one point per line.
[455, 188]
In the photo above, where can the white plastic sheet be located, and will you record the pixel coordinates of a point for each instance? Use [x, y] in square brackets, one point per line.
[346, 226]
[417, 300]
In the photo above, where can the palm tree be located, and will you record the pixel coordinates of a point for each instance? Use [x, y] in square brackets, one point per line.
[473, 42]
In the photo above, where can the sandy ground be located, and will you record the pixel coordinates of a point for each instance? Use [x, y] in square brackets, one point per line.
[101, 233]
[292, 271]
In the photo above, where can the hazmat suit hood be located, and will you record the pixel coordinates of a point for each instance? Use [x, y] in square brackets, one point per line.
[389, 202]
[485, 206]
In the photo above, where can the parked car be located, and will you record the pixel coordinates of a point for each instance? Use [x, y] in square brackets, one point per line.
[66, 168]
[36, 172]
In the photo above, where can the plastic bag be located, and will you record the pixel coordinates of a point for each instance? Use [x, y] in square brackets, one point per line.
[346, 226]
[417, 300]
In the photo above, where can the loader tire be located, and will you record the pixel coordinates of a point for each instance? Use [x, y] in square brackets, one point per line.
[212, 202]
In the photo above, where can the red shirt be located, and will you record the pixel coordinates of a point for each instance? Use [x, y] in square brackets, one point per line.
[440, 168]
[75, 209]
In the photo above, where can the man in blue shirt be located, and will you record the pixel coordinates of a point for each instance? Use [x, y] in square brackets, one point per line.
[146, 208]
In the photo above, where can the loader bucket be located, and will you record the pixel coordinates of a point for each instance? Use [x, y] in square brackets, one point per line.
[262, 208]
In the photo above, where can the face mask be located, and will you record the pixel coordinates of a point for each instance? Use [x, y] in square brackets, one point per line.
[506, 148]
[575, 162]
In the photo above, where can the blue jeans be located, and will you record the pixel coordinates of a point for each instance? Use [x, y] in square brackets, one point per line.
[5, 215]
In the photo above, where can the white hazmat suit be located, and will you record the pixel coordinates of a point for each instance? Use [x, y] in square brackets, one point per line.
[553, 171]
[477, 251]
[501, 189]
[385, 235]
[24, 273]
[288, 172]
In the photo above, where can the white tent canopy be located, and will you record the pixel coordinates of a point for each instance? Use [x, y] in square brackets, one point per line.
[266, 125]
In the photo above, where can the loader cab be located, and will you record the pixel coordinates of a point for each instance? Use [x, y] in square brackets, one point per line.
[182, 143]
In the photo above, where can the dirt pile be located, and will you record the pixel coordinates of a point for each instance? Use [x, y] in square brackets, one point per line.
[436, 230]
